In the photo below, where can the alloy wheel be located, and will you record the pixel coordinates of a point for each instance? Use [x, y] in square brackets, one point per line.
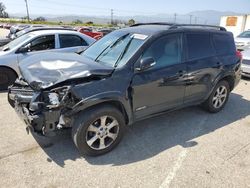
[102, 132]
[220, 97]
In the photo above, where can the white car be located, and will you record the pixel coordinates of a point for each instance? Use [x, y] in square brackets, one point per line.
[245, 66]
[242, 40]
[37, 42]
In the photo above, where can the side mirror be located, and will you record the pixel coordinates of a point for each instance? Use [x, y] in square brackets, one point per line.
[146, 63]
[24, 49]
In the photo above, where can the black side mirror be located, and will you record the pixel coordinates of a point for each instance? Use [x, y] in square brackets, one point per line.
[23, 49]
[146, 63]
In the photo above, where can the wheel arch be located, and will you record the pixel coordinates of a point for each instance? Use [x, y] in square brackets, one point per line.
[230, 80]
[11, 69]
[118, 104]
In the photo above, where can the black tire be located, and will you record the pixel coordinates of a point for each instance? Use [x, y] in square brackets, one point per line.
[209, 104]
[85, 119]
[7, 78]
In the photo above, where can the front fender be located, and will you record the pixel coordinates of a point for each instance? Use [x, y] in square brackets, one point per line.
[105, 97]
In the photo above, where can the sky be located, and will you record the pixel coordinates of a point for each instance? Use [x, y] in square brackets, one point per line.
[123, 8]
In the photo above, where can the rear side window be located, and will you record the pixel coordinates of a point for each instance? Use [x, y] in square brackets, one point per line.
[71, 41]
[224, 44]
[199, 46]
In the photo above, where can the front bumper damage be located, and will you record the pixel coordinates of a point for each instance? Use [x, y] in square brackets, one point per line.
[43, 118]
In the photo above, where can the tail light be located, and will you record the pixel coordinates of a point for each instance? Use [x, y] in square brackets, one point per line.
[239, 54]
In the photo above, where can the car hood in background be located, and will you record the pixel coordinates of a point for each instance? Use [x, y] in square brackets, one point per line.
[241, 40]
[47, 69]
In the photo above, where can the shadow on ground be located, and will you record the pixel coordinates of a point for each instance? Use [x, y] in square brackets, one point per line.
[150, 137]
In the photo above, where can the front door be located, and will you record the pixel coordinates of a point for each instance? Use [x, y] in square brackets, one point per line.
[40, 44]
[162, 86]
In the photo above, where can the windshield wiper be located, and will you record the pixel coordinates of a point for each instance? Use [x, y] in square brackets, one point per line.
[123, 52]
[111, 46]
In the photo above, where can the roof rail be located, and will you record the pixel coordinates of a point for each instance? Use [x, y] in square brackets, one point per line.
[175, 26]
[153, 23]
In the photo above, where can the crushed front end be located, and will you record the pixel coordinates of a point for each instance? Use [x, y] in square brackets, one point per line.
[44, 112]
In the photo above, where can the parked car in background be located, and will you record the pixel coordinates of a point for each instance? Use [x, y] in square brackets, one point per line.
[243, 40]
[17, 28]
[128, 75]
[246, 63]
[105, 31]
[34, 43]
[88, 31]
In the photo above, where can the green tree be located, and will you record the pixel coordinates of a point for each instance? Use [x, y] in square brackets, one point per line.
[131, 22]
[77, 21]
[89, 23]
[40, 19]
[3, 13]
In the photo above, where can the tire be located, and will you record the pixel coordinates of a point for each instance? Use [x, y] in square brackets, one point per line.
[7, 78]
[220, 93]
[87, 134]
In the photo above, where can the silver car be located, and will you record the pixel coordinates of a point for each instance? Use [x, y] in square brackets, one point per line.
[34, 43]
[245, 66]
[242, 40]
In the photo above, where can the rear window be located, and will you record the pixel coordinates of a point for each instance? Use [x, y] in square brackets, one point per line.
[199, 46]
[224, 44]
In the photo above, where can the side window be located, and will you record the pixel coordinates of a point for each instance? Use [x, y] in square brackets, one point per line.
[224, 44]
[199, 46]
[71, 41]
[165, 51]
[43, 43]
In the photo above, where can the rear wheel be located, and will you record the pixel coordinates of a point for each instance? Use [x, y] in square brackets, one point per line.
[218, 97]
[98, 131]
[7, 78]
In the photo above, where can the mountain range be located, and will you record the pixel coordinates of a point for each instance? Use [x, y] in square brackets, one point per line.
[201, 17]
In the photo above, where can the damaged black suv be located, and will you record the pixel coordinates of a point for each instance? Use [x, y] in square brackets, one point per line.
[129, 75]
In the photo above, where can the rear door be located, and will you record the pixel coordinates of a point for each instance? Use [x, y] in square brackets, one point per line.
[162, 86]
[71, 43]
[203, 66]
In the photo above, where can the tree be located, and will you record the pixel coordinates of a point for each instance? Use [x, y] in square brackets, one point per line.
[131, 22]
[40, 19]
[89, 23]
[77, 21]
[3, 14]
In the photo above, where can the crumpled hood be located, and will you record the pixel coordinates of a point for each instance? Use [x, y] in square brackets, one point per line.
[44, 70]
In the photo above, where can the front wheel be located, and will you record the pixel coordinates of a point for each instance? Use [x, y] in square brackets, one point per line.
[98, 131]
[7, 78]
[218, 98]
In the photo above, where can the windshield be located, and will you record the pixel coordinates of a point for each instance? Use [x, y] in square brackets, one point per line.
[115, 49]
[16, 42]
[245, 34]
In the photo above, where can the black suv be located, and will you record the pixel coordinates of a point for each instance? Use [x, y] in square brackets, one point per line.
[129, 75]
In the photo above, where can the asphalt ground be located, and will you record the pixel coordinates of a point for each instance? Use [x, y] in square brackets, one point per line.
[185, 148]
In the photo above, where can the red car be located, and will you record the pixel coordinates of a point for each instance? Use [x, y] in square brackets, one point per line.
[87, 31]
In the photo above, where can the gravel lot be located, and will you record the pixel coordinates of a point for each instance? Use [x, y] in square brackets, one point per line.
[186, 148]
